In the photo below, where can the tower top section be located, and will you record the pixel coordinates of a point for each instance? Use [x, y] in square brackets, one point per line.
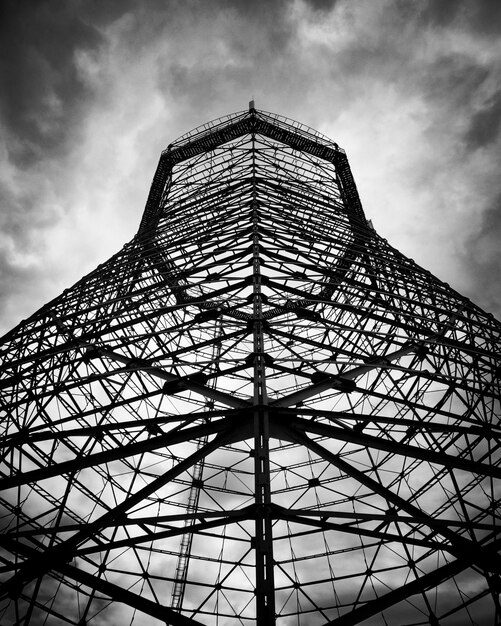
[261, 122]
[281, 145]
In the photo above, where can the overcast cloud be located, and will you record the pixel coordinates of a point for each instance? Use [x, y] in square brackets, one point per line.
[91, 92]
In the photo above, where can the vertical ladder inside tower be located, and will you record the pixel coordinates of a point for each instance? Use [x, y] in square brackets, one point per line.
[187, 537]
[183, 559]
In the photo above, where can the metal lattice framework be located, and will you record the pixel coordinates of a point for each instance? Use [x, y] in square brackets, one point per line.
[257, 412]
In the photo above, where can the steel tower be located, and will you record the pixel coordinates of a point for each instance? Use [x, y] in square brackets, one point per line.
[257, 412]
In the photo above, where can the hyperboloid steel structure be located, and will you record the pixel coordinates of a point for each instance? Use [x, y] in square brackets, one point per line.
[257, 412]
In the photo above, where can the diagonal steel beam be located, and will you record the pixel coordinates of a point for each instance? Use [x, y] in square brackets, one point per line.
[162, 521]
[118, 593]
[56, 556]
[113, 454]
[298, 518]
[395, 447]
[244, 514]
[467, 426]
[42, 434]
[356, 517]
[483, 557]
[121, 594]
[344, 381]
[137, 364]
[187, 382]
[424, 583]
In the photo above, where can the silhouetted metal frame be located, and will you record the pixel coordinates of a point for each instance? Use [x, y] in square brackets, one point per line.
[440, 329]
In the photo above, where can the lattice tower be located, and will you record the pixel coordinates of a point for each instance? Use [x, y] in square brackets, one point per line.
[257, 412]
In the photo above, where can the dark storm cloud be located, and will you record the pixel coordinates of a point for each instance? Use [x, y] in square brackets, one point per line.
[464, 86]
[265, 8]
[321, 5]
[485, 124]
[440, 13]
[483, 258]
[20, 228]
[231, 43]
[332, 64]
[63, 600]
[441, 599]
[42, 92]
[453, 81]
[484, 16]
[480, 16]
[459, 85]
[44, 99]
[267, 17]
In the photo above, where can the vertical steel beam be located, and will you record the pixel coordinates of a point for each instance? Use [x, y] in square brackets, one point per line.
[265, 587]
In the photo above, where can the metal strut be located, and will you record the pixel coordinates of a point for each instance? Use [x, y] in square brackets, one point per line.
[265, 595]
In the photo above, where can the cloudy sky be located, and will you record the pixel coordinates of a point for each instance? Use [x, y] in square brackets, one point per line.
[92, 91]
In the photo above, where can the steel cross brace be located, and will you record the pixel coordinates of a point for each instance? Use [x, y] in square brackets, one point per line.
[162, 521]
[186, 382]
[425, 454]
[301, 517]
[237, 516]
[113, 454]
[344, 381]
[424, 583]
[56, 556]
[114, 591]
[121, 594]
[483, 557]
